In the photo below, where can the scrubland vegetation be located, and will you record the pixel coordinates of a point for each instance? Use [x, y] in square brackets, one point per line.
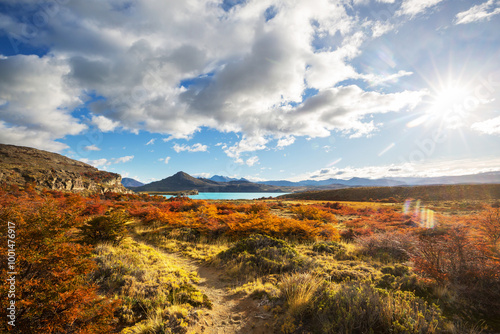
[99, 264]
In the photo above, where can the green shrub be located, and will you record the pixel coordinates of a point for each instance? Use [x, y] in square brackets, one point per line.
[396, 270]
[107, 228]
[362, 308]
[262, 254]
[330, 247]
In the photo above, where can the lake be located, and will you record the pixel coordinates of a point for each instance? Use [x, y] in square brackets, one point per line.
[231, 195]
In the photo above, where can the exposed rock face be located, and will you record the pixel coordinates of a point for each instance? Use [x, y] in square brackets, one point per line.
[23, 165]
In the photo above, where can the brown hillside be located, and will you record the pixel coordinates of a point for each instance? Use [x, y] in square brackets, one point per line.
[22, 165]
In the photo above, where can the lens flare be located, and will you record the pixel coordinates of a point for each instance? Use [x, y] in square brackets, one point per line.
[421, 214]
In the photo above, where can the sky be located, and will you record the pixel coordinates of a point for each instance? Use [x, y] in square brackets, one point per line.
[266, 90]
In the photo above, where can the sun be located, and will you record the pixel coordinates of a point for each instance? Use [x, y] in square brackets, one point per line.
[448, 104]
[448, 99]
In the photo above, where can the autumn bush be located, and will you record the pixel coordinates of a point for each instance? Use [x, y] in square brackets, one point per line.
[388, 246]
[233, 221]
[53, 293]
[309, 212]
[461, 260]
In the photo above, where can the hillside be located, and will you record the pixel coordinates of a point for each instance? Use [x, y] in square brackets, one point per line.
[184, 182]
[427, 193]
[22, 165]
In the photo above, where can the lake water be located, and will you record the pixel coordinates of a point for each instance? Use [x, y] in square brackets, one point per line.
[231, 195]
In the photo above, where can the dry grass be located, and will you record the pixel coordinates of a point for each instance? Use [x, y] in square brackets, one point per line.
[298, 289]
[151, 287]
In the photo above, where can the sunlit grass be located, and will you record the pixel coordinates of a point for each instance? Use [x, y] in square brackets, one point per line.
[148, 284]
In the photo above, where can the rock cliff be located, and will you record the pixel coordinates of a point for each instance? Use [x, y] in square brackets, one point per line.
[24, 165]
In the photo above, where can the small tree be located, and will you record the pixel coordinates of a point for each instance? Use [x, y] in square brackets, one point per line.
[110, 228]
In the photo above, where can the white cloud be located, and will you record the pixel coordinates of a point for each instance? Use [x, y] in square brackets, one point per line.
[285, 141]
[36, 102]
[99, 163]
[174, 75]
[490, 127]
[381, 28]
[102, 163]
[104, 124]
[424, 169]
[203, 175]
[123, 159]
[414, 7]
[480, 12]
[376, 80]
[246, 144]
[165, 160]
[91, 148]
[194, 148]
[252, 161]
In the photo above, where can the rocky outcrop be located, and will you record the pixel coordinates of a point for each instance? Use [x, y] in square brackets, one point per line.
[45, 170]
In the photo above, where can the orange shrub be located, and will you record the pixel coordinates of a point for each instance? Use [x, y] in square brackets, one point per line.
[52, 293]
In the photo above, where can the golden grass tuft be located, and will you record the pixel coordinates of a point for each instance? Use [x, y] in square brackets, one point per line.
[298, 289]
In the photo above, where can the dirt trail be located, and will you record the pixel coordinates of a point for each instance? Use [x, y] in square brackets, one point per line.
[230, 313]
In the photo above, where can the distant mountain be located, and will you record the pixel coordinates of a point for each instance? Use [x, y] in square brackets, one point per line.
[480, 178]
[184, 182]
[220, 178]
[217, 183]
[354, 182]
[21, 165]
[131, 183]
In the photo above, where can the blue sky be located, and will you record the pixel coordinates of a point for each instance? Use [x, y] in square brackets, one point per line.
[264, 89]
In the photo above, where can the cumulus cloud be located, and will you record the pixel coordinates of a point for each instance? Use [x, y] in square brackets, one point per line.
[490, 127]
[480, 12]
[252, 161]
[104, 124]
[91, 148]
[103, 163]
[166, 73]
[36, 102]
[414, 7]
[285, 141]
[194, 148]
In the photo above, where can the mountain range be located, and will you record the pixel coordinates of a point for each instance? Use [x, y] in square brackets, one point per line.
[185, 182]
[218, 183]
[481, 178]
